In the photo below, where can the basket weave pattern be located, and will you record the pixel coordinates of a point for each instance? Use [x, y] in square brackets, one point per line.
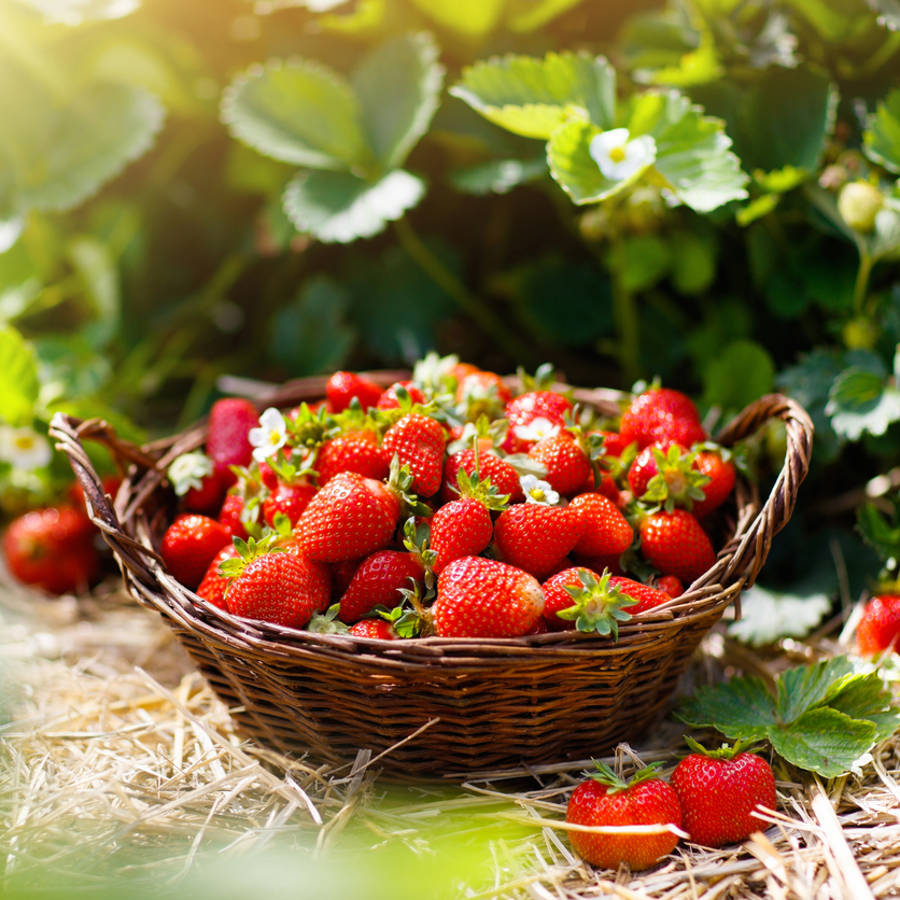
[440, 705]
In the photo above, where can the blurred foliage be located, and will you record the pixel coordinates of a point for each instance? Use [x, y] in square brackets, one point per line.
[276, 188]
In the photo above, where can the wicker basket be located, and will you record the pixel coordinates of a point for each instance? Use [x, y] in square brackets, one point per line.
[439, 705]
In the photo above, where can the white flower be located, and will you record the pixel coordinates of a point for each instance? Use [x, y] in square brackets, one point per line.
[269, 438]
[536, 430]
[537, 491]
[188, 471]
[620, 158]
[432, 371]
[24, 447]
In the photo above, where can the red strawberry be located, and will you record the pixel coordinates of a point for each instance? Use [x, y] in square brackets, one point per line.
[52, 548]
[389, 398]
[232, 514]
[523, 410]
[501, 474]
[482, 393]
[661, 414]
[355, 451]
[722, 476]
[676, 544]
[536, 537]
[343, 387]
[418, 442]
[342, 574]
[194, 478]
[579, 598]
[606, 531]
[189, 545]
[671, 585]
[288, 499]
[568, 466]
[719, 792]
[479, 597]
[279, 587]
[213, 585]
[351, 517]
[378, 581]
[227, 441]
[380, 629]
[879, 627]
[605, 799]
[646, 595]
[613, 444]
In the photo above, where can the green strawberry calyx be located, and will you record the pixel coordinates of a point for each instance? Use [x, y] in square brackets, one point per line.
[597, 606]
[724, 751]
[416, 536]
[676, 482]
[272, 541]
[468, 486]
[328, 622]
[400, 481]
[615, 783]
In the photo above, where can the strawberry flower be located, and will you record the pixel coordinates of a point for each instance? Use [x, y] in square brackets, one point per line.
[620, 158]
[270, 436]
[536, 430]
[24, 448]
[537, 491]
[188, 471]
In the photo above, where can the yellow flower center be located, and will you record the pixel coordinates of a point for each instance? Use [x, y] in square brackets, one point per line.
[23, 442]
[537, 494]
[274, 437]
[617, 154]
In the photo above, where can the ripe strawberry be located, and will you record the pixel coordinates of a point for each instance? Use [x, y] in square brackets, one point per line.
[189, 545]
[606, 532]
[676, 544]
[342, 574]
[380, 629]
[521, 411]
[232, 514]
[378, 581]
[721, 474]
[605, 799]
[355, 451]
[343, 387]
[879, 627]
[227, 441]
[660, 414]
[351, 517]
[479, 597]
[568, 466]
[418, 442]
[52, 548]
[613, 443]
[671, 585]
[212, 586]
[194, 478]
[501, 474]
[288, 499]
[646, 595]
[719, 792]
[389, 398]
[482, 393]
[279, 587]
[536, 537]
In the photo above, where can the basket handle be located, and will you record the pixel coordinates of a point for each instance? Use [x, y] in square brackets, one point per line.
[751, 551]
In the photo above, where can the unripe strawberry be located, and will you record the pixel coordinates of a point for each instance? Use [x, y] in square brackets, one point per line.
[859, 202]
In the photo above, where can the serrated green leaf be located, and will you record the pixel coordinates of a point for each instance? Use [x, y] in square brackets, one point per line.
[768, 616]
[824, 741]
[692, 150]
[69, 151]
[19, 385]
[575, 170]
[804, 687]
[339, 207]
[532, 97]
[499, 176]
[398, 85]
[297, 111]
[860, 401]
[472, 18]
[528, 15]
[864, 696]
[742, 708]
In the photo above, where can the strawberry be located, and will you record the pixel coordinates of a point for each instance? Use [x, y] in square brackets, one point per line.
[536, 537]
[53, 549]
[479, 597]
[234, 513]
[378, 581]
[646, 595]
[343, 387]
[719, 793]
[390, 398]
[194, 478]
[670, 584]
[722, 475]
[605, 531]
[289, 500]
[279, 587]
[380, 629]
[212, 586]
[354, 451]
[879, 627]
[482, 393]
[501, 474]
[676, 544]
[604, 799]
[613, 443]
[227, 441]
[189, 545]
[418, 442]
[342, 574]
[526, 409]
[567, 465]
[660, 414]
[351, 517]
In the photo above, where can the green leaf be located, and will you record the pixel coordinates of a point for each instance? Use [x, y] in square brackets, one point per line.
[864, 696]
[67, 152]
[641, 260]
[532, 97]
[861, 400]
[694, 256]
[805, 687]
[472, 18]
[297, 111]
[741, 708]
[19, 385]
[339, 207]
[756, 209]
[767, 616]
[824, 741]
[880, 533]
[881, 140]
[692, 150]
[779, 181]
[96, 268]
[742, 372]
[826, 17]
[398, 85]
[498, 176]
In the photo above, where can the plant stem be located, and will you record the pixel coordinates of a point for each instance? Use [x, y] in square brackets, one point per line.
[861, 287]
[478, 310]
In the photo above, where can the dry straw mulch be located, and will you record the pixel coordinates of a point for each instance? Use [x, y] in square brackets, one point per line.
[118, 762]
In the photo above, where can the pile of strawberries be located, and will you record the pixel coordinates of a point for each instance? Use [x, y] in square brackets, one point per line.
[446, 505]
